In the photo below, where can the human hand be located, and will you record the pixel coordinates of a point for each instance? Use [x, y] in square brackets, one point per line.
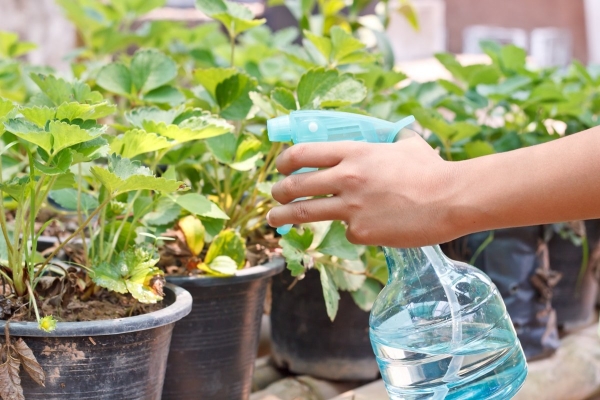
[394, 195]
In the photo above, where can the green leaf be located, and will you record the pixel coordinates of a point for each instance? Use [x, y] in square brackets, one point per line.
[29, 132]
[90, 150]
[115, 78]
[165, 95]
[142, 293]
[343, 44]
[432, 120]
[407, 9]
[478, 148]
[265, 188]
[65, 135]
[6, 106]
[221, 266]
[165, 212]
[330, 292]
[223, 147]
[213, 227]
[235, 17]
[284, 98]
[194, 128]
[464, 130]
[59, 165]
[365, 296]
[233, 98]
[194, 233]
[513, 58]
[59, 91]
[336, 244]
[72, 111]
[107, 276]
[211, 77]
[38, 115]
[138, 116]
[247, 164]
[227, 243]
[69, 199]
[124, 175]
[293, 252]
[199, 205]
[136, 142]
[322, 44]
[482, 74]
[505, 88]
[451, 87]
[300, 242]
[329, 88]
[452, 65]
[151, 69]
[347, 280]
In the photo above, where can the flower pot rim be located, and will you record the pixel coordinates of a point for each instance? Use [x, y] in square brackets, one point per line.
[262, 271]
[180, 305]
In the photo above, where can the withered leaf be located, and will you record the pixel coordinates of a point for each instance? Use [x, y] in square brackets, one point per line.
[33, 368]
[10, 383]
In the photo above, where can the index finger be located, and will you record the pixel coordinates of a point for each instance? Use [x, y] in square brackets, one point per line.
[312, 155]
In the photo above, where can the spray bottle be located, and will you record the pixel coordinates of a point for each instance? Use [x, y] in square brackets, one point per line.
[439, 328]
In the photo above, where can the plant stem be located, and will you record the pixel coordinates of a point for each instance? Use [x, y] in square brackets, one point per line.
[32, 300]
[80, 215]
[77, 231]
[9, 246]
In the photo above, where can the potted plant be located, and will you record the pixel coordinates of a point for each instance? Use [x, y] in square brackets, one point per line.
[99, 316]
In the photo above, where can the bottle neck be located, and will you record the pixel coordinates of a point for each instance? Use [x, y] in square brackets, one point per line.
[411, 263]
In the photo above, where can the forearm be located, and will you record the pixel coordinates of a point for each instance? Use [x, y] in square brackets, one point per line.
[553, 182]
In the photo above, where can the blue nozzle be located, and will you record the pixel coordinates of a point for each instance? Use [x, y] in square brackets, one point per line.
[279, 129]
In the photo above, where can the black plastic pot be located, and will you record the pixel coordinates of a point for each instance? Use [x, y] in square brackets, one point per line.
[214, 348]
[574, 305]
[121, 359]
[515, 264]
[305, 341]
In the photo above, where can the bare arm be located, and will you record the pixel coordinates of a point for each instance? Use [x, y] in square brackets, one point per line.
[405, 195]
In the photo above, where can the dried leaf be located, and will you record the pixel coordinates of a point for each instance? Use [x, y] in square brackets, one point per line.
[10, 382]
[33, 368]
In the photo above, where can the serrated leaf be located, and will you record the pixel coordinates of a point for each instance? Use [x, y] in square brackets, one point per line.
[151, 69]
[347, 280]
[323, 44]
[29, 132]
[115, 78]
[10, 382]
[223, 147]
[222, 266]
[124, 175]
[69, 199]
[235, 17]
[17, 188]
[109, 277]
[29, 362]
[365, 296]
[165, 212]
[329, 88]
[60, 164]
[194, 232]
[478, 148]
[58, 90]
[165, 95]
[142, 293]
[38, 115]
[336, 244]
[232, 96]
[284, 98]
[71, 111]
[65, 135]
[211, 77]
[227, 243]
[138, 116]
[199, 205]
[90, 150]
[136, 142]
[300, 242]
[343, 44]
[330, 292]
[195, 128]
[6, 106]
[432, 120]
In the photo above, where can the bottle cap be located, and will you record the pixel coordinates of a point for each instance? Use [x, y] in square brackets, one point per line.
[279, 129]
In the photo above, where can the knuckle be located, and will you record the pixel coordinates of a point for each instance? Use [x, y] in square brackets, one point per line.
[353, 178]
[357, 234]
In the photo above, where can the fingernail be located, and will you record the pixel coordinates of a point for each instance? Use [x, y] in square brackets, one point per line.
[268, 222]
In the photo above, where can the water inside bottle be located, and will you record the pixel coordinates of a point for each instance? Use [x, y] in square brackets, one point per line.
[440, 330]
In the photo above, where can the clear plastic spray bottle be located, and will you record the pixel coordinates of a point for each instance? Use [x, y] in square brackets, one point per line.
[439, 329]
